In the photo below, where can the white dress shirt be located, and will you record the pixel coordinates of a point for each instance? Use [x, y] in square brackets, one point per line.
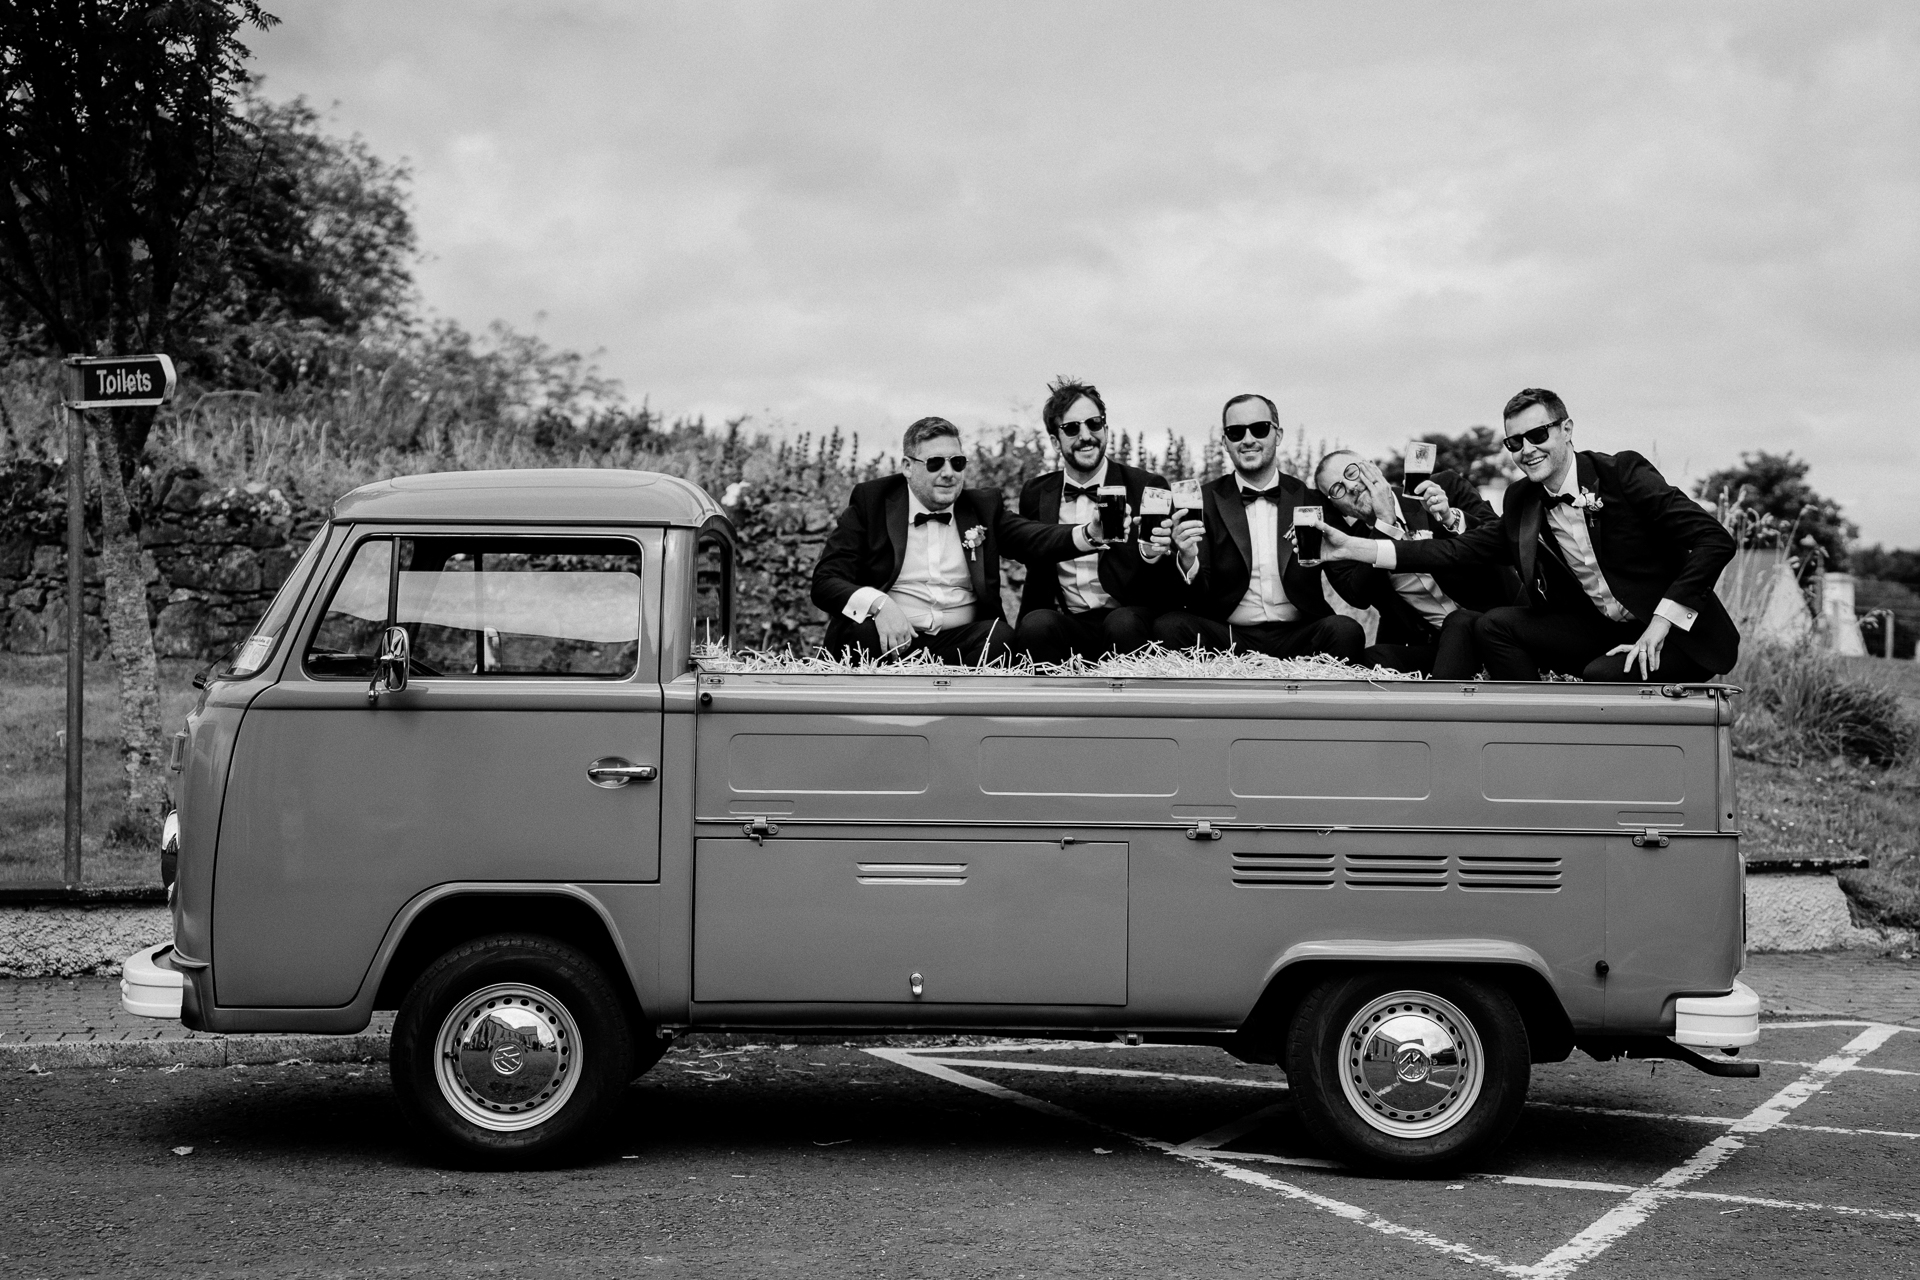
[935, 587]
[1575, 543]
[1080, 577]
[1417, 589]
[1266, 598]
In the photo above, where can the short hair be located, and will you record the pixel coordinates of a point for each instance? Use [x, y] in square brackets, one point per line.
[1530, 396]
[1061, 393]
[1273, 414]
[1329, 456]
[926, 429]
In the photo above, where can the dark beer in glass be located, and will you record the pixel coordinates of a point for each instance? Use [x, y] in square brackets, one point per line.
[1155, 505]
[1306, 532]
[1420, 456]
[1113, 512]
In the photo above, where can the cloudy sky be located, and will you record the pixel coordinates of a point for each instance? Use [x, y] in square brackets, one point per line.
[1700, 223]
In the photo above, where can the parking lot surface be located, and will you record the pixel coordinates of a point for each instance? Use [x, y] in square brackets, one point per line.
[975, 1159]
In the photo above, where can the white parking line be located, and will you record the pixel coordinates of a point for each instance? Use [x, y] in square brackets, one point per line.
[1622, 1218]
[1101, 1071]
[1641, 1201]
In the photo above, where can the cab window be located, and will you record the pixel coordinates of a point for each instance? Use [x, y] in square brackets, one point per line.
[713, 592]
[487, 607]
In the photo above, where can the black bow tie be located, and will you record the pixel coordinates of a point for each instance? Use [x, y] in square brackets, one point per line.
[1559, 499]
[1251, 496]
[936, 517]
[1072, 492]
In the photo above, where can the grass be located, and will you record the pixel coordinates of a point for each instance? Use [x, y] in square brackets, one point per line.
[33, 769]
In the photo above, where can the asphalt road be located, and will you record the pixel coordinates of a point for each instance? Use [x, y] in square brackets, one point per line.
[836, 1161]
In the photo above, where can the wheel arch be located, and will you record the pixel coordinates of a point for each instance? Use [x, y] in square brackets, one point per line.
[442, 918]
[1518, 969]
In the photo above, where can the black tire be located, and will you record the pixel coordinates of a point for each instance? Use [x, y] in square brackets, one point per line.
[512, 1051]
[1372, 1097]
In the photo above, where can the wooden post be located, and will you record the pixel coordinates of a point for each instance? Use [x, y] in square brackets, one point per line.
[76, 632]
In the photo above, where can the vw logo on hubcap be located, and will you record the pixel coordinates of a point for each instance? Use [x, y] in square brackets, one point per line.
[1411, 1064]
[510, 1057]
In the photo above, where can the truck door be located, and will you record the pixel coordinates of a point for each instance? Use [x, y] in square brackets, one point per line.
[532, 663]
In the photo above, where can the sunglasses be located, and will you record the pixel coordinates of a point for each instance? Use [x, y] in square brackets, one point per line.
[1536, 436]
[1238, 431]
[1072, 429]
[940, 460]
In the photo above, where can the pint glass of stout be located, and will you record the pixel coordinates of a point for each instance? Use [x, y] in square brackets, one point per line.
[1113, 512]
[1420, 455]
[1306, 532]
[1186, 500]
[1155, 505]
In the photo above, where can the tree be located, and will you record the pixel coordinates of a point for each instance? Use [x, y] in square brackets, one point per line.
[1775, 485]
[116, 118]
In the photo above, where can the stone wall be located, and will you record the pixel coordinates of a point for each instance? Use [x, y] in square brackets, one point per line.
[215, 556]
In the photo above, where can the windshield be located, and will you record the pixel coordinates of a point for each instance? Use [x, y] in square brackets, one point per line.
[258, 647]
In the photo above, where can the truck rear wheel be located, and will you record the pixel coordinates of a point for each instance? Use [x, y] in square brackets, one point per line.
[512, 1050]
[1407, 1070]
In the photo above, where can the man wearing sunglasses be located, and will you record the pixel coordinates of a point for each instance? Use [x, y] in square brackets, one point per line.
[1618, 564]
[1103, 602]
[914, 564]
[1426, 619]
[1243, 586]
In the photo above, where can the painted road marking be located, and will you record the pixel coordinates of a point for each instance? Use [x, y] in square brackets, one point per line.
[1640, 1201]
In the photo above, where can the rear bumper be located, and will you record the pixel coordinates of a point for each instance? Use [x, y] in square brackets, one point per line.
[1730, 1021]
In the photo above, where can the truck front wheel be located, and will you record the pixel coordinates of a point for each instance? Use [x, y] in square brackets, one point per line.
[512, 1050]
[1407, 1071]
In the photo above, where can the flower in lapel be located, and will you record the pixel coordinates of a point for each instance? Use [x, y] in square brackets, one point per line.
[1588, 503]
[972, 539]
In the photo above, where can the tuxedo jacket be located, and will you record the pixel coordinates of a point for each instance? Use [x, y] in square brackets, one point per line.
[868, 546]
[1123, 574]
[1651, 540]
[1477, 586]
[1226, 552]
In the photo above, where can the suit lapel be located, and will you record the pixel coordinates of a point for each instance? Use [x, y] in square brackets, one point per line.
[1526, 528]
[1233, 516]
[897, 531]
[1290, 496]
[965, 518]
[1052, 495]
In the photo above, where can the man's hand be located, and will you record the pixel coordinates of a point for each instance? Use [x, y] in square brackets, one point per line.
[1184, 537]
[1645, 650]
[1092, 531]
[891, 622]
[1154, 549]
[1335, 545]
[1434, 499]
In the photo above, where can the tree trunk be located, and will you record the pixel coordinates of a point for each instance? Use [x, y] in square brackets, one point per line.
[130, 639]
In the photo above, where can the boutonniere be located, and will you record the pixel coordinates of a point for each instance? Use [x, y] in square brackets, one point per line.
[1589, 502]
[972, 539]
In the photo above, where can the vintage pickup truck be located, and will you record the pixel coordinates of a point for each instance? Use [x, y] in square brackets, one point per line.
[469, 768]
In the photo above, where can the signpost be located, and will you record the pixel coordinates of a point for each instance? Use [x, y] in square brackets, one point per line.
[93, 382]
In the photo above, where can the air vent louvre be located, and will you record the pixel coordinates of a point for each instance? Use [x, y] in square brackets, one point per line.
[1511, 873]
[1300, 870]
[1395, 870]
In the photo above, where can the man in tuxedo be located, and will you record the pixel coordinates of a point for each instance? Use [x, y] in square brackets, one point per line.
[1243, 586]
[914, 564]
[1618, 564]
[1102, 602]
[1426, 619]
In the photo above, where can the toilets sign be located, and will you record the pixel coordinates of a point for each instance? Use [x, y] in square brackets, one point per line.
[118, 382]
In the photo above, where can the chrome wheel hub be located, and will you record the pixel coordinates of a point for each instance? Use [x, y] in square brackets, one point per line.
[508, 1057]
[1411, 1064]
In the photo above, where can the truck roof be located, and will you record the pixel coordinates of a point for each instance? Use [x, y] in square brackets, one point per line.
[567, 495]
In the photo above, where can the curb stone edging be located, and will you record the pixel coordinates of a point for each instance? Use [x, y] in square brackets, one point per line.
[203, 1051]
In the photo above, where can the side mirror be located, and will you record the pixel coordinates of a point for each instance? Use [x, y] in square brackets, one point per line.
[390, 666]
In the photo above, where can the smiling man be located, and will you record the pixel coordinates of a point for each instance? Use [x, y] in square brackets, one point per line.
[1244, 587]
[1103, 602]
[1619, 566]
[914, 563]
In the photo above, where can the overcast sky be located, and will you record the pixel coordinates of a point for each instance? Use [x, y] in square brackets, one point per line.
[1699, 223]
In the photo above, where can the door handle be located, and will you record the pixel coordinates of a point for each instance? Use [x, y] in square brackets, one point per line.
[612, 771]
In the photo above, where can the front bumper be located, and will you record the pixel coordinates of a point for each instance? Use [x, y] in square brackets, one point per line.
[1730, 1021]
[150, 987]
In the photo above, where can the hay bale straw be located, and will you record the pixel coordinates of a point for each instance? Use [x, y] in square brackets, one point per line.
[1152, 663]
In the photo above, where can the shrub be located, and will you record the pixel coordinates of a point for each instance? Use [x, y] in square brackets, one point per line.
[1801, 704]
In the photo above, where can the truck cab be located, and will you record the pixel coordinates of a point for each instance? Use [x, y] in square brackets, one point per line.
[473, 768]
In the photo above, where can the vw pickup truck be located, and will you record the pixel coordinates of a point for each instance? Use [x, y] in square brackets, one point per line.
[469, 768]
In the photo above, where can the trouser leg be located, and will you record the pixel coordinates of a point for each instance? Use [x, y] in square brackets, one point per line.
[1127, 629]
[1675, 667]
[1399, 657]
[1183, 630]
[1043, 635]
[1516, 643]
[1456, 656]
[1337, 637]
[985, 643]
